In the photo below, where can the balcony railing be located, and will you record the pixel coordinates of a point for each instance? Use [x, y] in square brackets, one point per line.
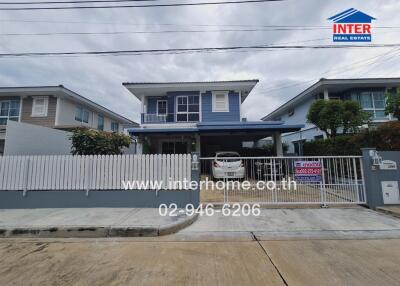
[156, 118]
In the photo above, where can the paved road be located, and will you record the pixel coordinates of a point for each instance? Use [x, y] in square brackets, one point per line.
[281, 247]
[152, 262]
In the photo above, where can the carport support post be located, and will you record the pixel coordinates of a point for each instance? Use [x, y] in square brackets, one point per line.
[278, 144]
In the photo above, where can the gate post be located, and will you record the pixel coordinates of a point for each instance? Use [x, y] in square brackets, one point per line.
[322, 184]
[195, 172]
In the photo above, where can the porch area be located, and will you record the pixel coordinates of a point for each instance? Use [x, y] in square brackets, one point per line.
[207, 138]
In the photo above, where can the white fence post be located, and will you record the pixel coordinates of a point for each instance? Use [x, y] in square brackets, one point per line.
[26, 176]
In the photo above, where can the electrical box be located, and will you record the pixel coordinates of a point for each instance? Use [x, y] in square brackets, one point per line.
[390, 192]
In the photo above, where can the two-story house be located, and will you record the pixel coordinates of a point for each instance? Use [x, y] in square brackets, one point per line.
[206, 117]
[369, 92]
[55, 107]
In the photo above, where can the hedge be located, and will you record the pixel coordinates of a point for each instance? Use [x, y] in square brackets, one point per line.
[385, 138]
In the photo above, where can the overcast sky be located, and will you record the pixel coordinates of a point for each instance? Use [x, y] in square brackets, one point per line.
[100, 77]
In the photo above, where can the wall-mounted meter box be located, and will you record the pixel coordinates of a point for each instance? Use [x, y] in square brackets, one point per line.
[390, 192]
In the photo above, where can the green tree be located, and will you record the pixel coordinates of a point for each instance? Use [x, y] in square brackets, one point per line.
[330, 115]
[92, 142]
[353, 116]
[393, 103]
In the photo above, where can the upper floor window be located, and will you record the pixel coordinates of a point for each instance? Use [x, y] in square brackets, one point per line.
[81, 114]
[372, 102]
[162, 107]
[220, 101]
[188, 108]
[100, 122]
[114, 126]
[40, 106]
[291, 112]
[9, 110]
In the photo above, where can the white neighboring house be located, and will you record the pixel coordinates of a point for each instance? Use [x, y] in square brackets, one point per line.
[369, 92]
[55, 107]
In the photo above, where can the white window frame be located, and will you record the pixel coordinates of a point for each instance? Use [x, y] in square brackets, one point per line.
[187, 111]
[166, 106]
[45, 107]
[214, 105]
[373, 109]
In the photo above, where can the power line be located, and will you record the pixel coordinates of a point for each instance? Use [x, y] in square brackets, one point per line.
[71, 2]
[195, 50]
[151, 32]
[183, 25]
[137, 6]
[338, 70]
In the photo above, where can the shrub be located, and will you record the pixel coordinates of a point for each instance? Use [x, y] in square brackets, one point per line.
[385, 138]
[93, 142]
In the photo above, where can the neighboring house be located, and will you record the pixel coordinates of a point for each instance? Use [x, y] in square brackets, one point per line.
[55, 107]
[206, 117]
[369, 92]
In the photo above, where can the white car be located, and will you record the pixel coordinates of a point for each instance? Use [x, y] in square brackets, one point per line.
[227, 165]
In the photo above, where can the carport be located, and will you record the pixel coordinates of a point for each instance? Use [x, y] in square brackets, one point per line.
[209, 137]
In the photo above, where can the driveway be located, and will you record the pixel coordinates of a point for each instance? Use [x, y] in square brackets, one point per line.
[278, 224]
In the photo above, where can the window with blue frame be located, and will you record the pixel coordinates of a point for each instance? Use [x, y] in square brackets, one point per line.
[100, 122]
[9, 110]
[81, 114]
[372, 102]
[114, 126]
[188, 108]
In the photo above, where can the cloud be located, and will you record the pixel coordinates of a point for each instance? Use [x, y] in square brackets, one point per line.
[282, 74]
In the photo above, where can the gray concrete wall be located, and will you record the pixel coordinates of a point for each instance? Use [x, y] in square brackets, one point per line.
[374, 176]
[96, 199]
[28, 139]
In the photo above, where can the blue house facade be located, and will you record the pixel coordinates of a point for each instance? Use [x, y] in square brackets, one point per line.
[206, 117]
[368, 92]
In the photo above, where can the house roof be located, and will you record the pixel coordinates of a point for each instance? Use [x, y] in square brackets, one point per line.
[333, 85]
[352, 16]
[224, 127]
[161, 88]
[64, 92]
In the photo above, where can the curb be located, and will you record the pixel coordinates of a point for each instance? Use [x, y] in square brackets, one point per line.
[97, 231]
[388, 212]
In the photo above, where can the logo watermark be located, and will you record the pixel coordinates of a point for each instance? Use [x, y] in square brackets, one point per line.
[352, 26]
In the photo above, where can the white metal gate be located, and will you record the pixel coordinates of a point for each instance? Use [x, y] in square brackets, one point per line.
[297, 180]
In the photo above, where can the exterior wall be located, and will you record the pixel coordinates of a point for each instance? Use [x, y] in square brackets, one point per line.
[309, 132]
[374, 176]
[27, 139]
[97, 199]
[206, 113]
[48, 121]
[66, 116]
[232, 115]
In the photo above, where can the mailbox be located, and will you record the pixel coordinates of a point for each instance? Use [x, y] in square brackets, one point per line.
[390, 192]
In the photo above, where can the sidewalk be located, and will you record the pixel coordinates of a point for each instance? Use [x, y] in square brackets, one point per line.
[89, 222]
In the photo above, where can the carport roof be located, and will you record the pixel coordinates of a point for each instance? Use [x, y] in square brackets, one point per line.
[229, 127]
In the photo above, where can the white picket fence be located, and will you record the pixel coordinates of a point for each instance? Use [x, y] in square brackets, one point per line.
[90, 172]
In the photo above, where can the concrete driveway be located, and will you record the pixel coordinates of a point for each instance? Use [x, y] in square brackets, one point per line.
[278, 224]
